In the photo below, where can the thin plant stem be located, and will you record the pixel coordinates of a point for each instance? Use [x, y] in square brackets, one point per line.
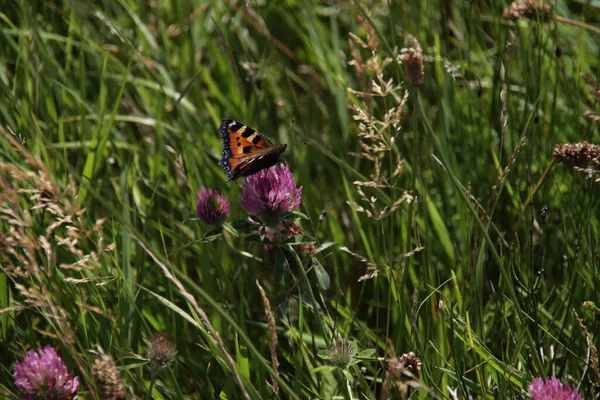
[310, 291]
[577, 23]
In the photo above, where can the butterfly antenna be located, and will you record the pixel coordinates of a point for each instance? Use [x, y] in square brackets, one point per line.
[188, 87]
[289, 129]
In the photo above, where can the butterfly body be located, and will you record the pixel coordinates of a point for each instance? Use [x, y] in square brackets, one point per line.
[246, 151]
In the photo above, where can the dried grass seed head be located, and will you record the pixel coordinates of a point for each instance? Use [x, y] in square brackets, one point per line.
[406, 367]
[528, 9]
[411, 58]
[580, 155]
[107, 377]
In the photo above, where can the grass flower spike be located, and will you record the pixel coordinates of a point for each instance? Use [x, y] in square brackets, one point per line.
[107, 377]
[43, 375]
[412, 60]
[552, 389]
[270, 194]
[212, 207]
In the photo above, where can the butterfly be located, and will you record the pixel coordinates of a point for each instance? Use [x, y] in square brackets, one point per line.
[246, 151]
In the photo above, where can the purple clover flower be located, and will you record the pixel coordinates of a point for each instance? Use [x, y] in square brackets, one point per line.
[552, 389]
[43, 375]
[270, 194]
[212, 207]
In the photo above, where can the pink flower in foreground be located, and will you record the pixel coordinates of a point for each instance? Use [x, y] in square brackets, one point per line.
[212, 207]
[270, 194]
[552, 389]
[43, 375]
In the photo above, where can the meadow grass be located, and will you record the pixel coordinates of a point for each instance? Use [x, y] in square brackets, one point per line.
[444, 252]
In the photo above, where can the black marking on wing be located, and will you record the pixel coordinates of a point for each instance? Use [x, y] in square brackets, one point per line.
[248, 132]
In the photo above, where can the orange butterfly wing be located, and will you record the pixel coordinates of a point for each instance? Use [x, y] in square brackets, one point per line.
[245, 151]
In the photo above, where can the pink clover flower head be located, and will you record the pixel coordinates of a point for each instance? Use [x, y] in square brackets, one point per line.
[43, 375]
[212, 207]
[270, 194]
[552, 389]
